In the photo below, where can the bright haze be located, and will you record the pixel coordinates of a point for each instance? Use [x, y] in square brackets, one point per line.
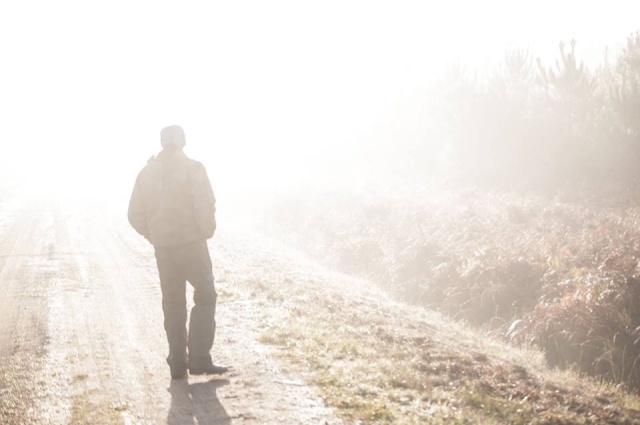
[270, 94]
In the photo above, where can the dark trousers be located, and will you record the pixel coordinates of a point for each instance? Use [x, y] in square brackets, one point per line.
[177, 265]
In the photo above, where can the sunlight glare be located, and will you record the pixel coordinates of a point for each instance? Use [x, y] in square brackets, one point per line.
[271, 94]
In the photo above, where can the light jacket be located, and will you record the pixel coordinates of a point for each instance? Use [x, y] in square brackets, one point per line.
[172, 201]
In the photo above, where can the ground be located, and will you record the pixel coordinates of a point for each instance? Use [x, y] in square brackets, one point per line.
[82, 341]
[81, 335]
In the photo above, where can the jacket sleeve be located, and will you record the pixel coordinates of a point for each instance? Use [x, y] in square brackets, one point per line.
[137, 213]
[204, 202]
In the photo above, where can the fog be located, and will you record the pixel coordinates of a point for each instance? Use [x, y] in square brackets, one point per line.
[272, 95]
[435, 149]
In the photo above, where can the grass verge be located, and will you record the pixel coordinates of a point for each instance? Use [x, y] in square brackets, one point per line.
[378, 361]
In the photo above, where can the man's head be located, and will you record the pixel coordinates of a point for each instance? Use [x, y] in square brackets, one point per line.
[172, 136]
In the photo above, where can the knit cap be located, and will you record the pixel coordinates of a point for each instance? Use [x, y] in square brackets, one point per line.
[172, 136]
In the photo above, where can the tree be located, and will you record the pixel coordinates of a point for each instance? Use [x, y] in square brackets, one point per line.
[571, 107]
[625, 101]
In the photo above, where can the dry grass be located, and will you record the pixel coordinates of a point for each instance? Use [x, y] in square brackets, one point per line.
[85, 411]
[378, 361]
[561, 276]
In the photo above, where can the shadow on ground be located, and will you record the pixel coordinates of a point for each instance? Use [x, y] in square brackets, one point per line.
[197, 403]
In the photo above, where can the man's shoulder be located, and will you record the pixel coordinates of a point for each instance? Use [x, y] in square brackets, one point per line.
[148, 168]
[179, 161]
[151, 163]
[194, 164]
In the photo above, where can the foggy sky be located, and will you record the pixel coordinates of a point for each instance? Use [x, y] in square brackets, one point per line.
[264, 90]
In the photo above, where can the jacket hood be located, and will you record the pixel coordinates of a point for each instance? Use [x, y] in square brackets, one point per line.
[168, 155]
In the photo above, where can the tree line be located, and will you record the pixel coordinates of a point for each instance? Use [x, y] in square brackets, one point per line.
[531, 126]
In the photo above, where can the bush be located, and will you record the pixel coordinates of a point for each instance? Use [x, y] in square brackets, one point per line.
[540, 266]
[564, 277]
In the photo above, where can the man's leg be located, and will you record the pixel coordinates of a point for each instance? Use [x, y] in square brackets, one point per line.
[202, 323]
[174, 305]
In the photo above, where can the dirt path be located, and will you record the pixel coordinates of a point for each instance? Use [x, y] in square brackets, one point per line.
[81, 336]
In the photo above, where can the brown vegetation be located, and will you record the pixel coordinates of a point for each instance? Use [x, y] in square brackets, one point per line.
[534, 230]
[379, 361]
[563, 277]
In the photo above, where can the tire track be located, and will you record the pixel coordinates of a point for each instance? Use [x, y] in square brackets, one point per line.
[82, 338]
[256, 392]
[25, 275]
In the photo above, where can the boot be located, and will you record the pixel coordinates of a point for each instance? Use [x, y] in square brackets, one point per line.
[178, 366]
[204, 366]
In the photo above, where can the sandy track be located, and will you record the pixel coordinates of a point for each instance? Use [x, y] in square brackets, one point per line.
[81, 337]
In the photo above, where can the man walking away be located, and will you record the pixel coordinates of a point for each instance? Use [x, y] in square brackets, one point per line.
[173, 207]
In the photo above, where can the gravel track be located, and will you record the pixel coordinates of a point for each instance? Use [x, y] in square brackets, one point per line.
[81, 336]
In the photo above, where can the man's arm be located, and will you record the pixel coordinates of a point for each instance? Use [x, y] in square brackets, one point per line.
[204, 202]
[137, 213]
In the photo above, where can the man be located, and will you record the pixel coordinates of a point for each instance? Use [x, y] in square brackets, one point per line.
[173, 207]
